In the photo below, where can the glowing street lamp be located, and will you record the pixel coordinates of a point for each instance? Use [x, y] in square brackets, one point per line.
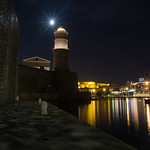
[93, 90]
[146, 82]
[104, 89]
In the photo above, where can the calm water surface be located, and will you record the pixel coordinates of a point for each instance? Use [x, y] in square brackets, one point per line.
[127, 119]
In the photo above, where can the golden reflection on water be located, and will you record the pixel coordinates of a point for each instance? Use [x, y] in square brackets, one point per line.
[108, 111]
[87, 113]
[128, 113]
[148, 117]
[109, 114]
[96, 111]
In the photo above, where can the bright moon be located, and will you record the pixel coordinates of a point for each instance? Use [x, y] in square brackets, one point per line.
[52, 22]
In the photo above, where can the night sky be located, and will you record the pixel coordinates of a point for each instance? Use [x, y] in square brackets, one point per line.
[109, 40]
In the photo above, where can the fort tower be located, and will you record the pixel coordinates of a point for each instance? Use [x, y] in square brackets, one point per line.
[61, 50]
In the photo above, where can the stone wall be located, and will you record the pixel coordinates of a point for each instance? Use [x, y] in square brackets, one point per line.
[61, 59]
[66, 81]
[9, 43]
[35, 96]
[48, 85]
[37, 80]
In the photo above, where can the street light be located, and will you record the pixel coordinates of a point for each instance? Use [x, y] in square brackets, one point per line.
[146, 82]
[104, 89]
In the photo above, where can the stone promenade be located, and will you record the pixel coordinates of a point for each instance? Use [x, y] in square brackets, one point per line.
[22, 127]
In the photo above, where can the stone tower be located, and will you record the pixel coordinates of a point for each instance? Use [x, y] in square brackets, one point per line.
[61, 50]
[9, 39]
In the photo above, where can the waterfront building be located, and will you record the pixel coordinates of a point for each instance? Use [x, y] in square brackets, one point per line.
[91, 85]
[132, 89]
[37, 62]
[94, 88]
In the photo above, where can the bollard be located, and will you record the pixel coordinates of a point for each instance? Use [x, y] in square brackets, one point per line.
[17, 98]
[40, 101]
[44, 108]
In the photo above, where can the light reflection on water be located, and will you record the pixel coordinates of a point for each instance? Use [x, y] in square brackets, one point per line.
[148, 117]
[129, 116]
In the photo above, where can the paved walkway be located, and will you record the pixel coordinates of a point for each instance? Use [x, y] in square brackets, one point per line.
[22, 127]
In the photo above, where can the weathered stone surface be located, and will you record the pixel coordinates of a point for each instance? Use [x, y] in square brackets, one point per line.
[23, 127]
[9, 37]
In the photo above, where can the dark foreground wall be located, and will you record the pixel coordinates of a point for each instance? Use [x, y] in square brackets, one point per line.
[9, 37]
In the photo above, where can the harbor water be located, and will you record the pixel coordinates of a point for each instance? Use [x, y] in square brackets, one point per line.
[128, 119]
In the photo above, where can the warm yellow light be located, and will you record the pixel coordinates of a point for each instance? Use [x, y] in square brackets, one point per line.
[93, 90]
[103, 84]
[91, 82]
[91, 85]
[146, 82]
[127, 88]
[104, 89]
[78, 87]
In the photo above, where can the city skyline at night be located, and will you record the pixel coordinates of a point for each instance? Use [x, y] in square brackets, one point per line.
[75, 74]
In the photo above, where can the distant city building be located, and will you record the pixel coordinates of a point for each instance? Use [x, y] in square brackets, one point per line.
[91, 85]
[141, 79]
[37, 62]
[134, 89]
[93, 88]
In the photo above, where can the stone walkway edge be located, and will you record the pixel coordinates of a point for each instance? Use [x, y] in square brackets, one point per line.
[22, 127]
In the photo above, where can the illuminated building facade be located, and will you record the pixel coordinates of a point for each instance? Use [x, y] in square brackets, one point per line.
[91, 85]
[137, 89]
[9, 45]
[134, 89]
[93, 88]
[37, 62]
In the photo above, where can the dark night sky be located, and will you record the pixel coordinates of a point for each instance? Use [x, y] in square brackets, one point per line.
[109, 39]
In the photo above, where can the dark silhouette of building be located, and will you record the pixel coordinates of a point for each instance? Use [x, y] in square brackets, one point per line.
[9, 41]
